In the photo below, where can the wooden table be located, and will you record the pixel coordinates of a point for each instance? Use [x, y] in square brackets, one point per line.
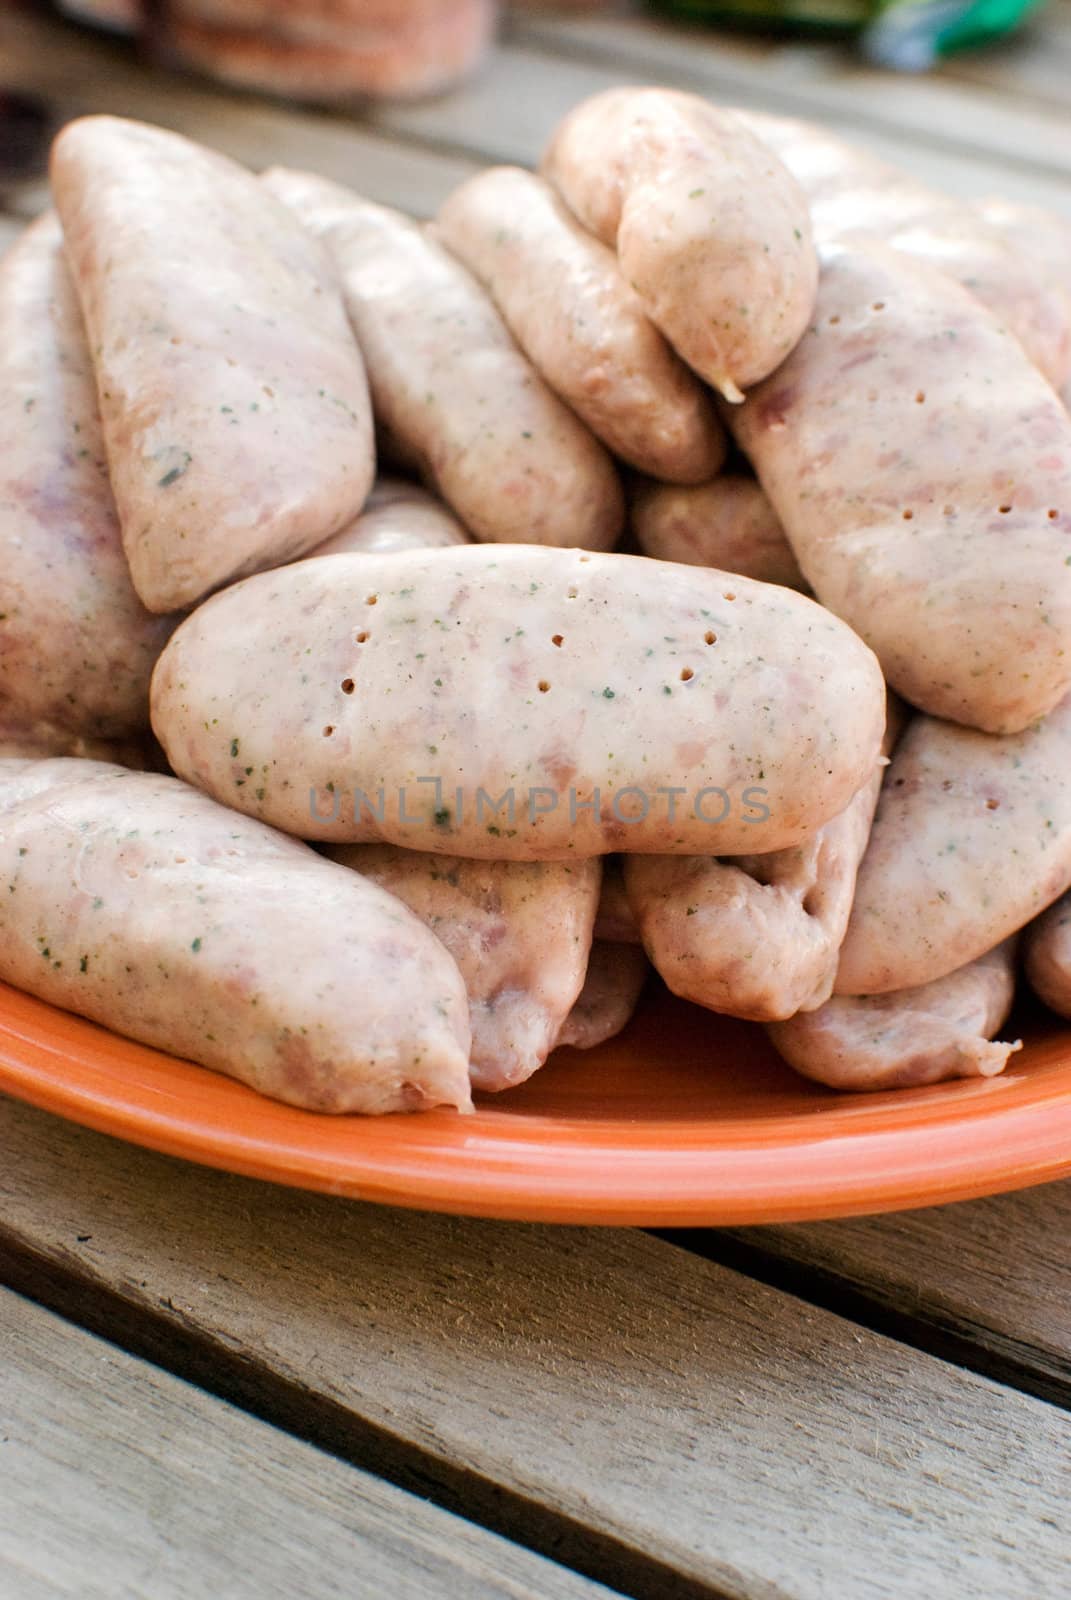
[214, 1387]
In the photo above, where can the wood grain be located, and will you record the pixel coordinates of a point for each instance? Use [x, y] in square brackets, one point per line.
[121, 1480]
[78, 73]
[987, 1283]
[651, 1419]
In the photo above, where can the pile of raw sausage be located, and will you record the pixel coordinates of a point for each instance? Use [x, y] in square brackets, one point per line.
[711, 608]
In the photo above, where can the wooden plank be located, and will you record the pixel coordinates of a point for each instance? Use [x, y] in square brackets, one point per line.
[932, 111]
[121, 1480]
[508, 113]
[654, 1420]
[988, 1282]
[77, 73]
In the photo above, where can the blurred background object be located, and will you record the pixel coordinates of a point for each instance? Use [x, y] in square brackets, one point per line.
[308, 49]
[26, 129]
[908, 35]
[335, 50]
[119, 16]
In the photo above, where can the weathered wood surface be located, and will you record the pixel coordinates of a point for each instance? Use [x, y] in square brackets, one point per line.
[987, 1283]
[118, 1480]
[78, 73]
[644, 1416]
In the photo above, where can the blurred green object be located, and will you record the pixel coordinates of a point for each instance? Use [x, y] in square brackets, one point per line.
[911, 35]
[907, 35]
[772, 16]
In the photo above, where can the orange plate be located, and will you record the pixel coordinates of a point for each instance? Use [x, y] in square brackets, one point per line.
[685, 1119]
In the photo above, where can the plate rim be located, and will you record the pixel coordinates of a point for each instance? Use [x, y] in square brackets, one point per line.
[884, 1168]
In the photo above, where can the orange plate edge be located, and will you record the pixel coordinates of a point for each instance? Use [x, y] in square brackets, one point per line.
[686, 1119]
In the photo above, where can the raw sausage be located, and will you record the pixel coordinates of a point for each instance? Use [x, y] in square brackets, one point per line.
[615, 979]
[912, 1037]
[326, 59]
[710, 228]
[396, 516]
[1047, 956]
[853, 193]
[615, 702]
[77, 647]
[1045, 234]
[23, 779]
[727, 523]
[234, 403]
[754, 936]
[972, 839]
[921, 467]
[1045, 238]
[452, 392]
[135, 901]
[520, 932]
[562, 295]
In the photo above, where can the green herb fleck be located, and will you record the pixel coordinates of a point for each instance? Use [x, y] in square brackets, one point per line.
[175, 473]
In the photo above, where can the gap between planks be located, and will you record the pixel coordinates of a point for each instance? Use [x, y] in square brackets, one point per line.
[664, 1425]
[120, 1479]
[986, 1283]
